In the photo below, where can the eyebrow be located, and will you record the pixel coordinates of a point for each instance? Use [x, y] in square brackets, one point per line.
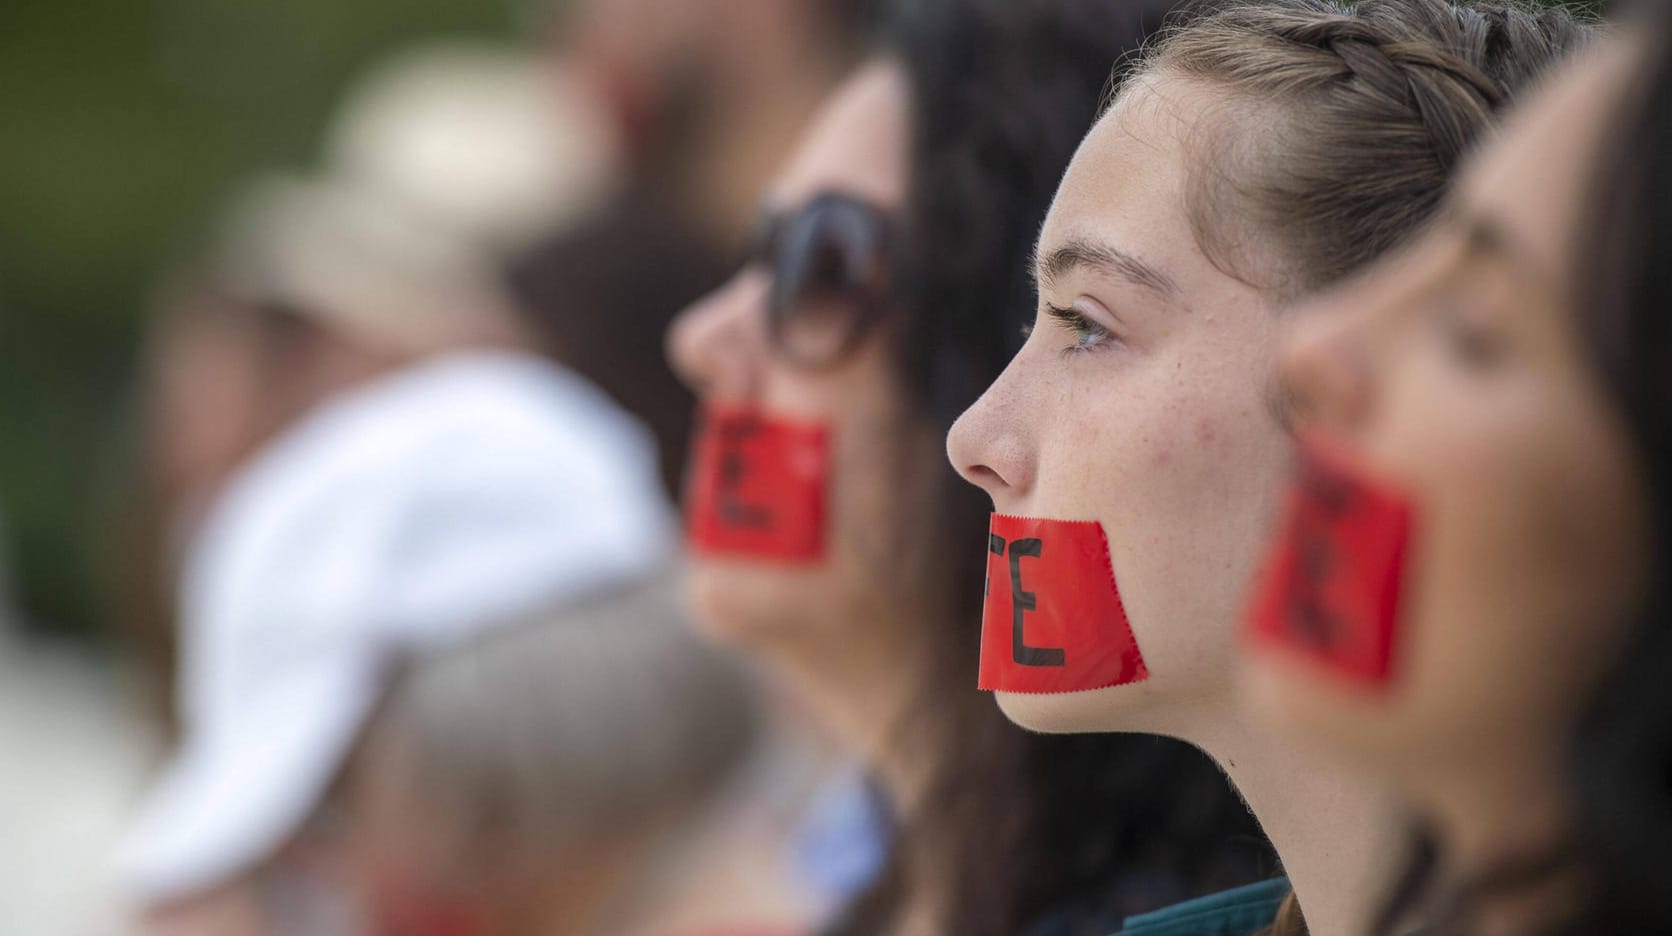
[1078, 253]
[1487, 236]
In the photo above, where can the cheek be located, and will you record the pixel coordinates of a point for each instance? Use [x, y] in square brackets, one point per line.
[883, 468]
[1521, 593]
[1523, 561]
[1184, 476]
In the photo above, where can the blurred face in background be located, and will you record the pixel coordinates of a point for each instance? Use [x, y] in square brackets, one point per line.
[1456, 373]
[1141, 401]
[818, 365]
[224, 379]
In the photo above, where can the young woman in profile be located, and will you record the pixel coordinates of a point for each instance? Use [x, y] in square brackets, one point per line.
[1505, 382]
[882, 299]
[1257, 155]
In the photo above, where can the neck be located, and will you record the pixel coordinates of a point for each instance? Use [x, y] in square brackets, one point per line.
[862, 691]
[1505, 817]
[1503, 809]
[1338, 835]
[866, 694]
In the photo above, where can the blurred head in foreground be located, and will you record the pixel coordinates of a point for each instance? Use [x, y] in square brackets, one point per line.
[1506, 379]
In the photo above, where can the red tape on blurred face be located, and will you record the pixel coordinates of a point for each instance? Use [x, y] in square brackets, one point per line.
[1332, 585]
[757, 486]
[1053, 620]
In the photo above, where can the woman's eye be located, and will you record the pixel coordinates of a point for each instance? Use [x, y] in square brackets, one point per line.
[1473, 342]
[1088, 334]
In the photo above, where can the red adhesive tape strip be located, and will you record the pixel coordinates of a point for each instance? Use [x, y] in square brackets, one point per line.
[1053, 620]
[1331, 587]
[757, 486]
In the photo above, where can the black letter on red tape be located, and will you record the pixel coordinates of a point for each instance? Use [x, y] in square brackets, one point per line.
[1022, 602]
[1309, 619]
[995, 545]
[733, 468]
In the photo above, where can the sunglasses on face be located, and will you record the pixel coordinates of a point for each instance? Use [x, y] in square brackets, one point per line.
[832, 265]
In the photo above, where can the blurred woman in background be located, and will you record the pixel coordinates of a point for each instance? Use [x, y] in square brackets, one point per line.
[881, 299]
[1257, 155]
[1502, 388]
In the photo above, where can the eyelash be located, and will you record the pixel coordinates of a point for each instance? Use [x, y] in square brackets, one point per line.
[1088, 335]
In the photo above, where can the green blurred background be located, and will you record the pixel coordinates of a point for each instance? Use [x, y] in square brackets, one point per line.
[123, 122]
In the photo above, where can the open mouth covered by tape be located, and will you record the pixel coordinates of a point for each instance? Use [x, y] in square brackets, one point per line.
[757, 486]
[1053, 619]
[1333, 582]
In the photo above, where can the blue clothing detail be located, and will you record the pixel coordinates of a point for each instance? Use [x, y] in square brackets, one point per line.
[844, 839]
[1239, 912]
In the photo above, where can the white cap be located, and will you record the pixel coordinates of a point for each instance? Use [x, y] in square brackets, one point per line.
[462, 494]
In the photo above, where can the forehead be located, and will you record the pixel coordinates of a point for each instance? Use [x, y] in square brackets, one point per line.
[858, 144]
[1126, 183]
[1535, 177]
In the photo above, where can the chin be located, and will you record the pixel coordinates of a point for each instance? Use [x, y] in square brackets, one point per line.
[1116, 708]
[1315, 709]
[748, 605]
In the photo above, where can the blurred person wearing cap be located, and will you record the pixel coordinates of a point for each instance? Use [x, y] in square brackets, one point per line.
[432, 681]
[442, 164]
[326, 292]
[445, 161]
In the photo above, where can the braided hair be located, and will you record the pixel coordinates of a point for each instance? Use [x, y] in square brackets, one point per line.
[1350, 120]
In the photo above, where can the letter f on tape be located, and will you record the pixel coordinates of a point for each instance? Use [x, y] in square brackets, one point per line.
[757, 486]
[1053, 619]
[1333, 582]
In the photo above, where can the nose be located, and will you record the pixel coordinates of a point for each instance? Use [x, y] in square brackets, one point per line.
[991, 445]
[716, 345]
[1327, 363]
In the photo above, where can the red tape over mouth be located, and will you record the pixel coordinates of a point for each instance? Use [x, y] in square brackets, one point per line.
[757, 486]
[1333, 581]
[1053, 619]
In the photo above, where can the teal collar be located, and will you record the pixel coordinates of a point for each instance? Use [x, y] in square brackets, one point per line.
[1239, 912]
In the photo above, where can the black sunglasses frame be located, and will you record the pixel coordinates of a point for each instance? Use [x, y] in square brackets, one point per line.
[834, 244]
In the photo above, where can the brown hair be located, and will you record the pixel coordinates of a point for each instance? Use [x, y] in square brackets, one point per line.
[1346, 121]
